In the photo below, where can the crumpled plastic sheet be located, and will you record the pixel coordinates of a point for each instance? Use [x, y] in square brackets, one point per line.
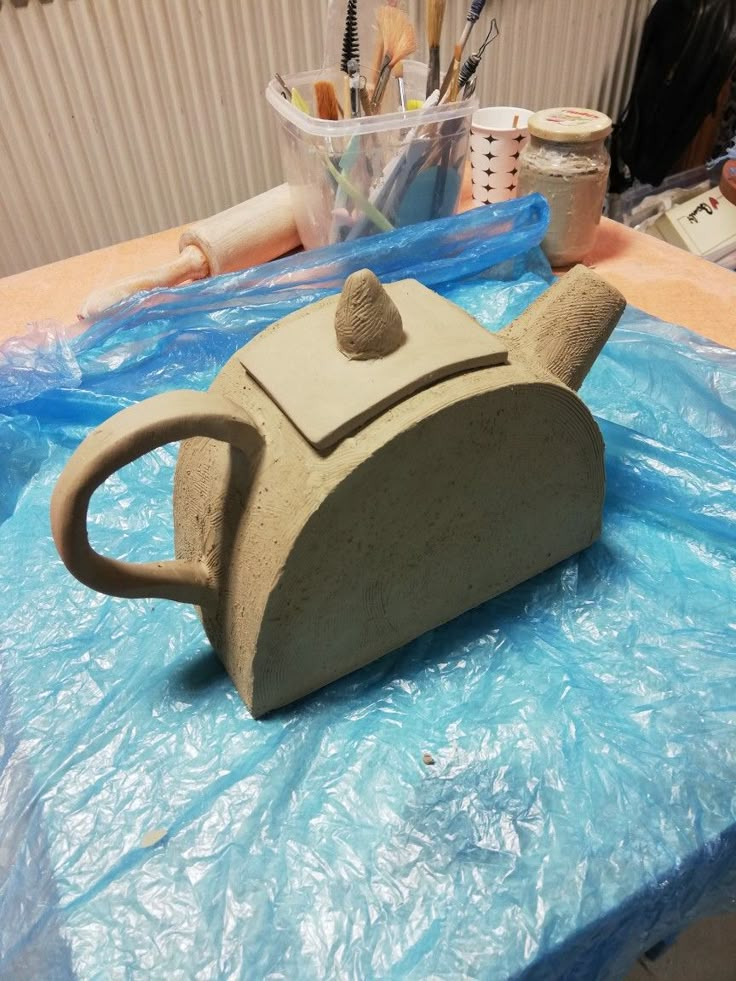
[581, 803]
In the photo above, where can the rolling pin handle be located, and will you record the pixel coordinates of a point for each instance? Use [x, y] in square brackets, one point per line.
[191, 263]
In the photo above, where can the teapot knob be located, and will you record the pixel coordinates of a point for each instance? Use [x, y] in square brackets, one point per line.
[367, 321]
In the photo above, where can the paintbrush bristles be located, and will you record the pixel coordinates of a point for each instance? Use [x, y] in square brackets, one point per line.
[326, 102]
[399, 41]
[398, 34]
[435, 18]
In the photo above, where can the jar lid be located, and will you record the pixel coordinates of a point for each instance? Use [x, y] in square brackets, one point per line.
[570, 125]
[728, 181]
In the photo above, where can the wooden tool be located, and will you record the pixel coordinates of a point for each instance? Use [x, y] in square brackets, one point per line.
[255, 231]
[450, 81]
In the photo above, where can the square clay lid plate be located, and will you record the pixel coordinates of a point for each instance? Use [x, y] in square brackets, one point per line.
[327, 396]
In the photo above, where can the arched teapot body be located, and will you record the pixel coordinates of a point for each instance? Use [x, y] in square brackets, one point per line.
[314, 542]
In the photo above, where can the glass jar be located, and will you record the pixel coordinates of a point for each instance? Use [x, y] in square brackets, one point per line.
[566, 160]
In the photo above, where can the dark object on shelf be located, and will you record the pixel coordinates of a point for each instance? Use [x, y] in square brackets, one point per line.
[688, 52]
[727, 131]
[703, 146]
[728, 181]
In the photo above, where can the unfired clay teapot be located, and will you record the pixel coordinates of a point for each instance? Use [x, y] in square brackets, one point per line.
[361, 472]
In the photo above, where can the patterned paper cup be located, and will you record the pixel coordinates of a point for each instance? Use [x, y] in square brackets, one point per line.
[498, 134]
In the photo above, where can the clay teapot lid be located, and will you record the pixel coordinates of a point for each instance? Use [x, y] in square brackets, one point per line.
[341, 362]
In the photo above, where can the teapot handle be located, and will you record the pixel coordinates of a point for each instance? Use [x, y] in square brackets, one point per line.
[122, 439]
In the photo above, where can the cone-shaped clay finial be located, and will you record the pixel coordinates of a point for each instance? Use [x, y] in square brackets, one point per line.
[367, 321]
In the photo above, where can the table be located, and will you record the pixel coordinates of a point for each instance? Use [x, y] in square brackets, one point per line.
[658, 278]
[664, 282]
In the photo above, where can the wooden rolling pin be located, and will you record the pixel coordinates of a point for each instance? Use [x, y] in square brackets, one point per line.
[250, 233]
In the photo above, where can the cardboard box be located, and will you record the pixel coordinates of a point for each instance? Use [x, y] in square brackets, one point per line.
[705, 225]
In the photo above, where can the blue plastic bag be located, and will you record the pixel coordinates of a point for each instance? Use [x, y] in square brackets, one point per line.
[580, 806]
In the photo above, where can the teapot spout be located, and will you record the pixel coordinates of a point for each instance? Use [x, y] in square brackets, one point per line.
[564, 331]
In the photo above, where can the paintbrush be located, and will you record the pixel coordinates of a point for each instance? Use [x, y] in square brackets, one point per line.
[450, 79]
[435, 17]
[399, 41]
[326, 103]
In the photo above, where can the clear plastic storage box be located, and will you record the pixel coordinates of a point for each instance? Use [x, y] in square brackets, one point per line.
[356, 177]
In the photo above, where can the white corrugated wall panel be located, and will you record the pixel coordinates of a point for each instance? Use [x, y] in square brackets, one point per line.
[123, 117]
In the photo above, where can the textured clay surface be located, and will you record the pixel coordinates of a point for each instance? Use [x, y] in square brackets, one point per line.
[327, 561]
[308, 563]
[564, 331]
[327, 396]
[367, 321]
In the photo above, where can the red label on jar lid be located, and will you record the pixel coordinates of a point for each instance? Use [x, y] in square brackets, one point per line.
[570, 124]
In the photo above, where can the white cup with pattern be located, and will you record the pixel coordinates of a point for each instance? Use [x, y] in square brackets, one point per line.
[498, 134]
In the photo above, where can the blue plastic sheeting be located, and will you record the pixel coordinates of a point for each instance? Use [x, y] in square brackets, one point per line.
[581, 805]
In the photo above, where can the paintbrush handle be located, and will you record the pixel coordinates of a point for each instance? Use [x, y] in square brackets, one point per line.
[383, 77]
[365, 103]
[433, 70]
[450, 75]
[464, 36]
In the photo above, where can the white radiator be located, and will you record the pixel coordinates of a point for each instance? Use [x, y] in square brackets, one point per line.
[123, 117]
